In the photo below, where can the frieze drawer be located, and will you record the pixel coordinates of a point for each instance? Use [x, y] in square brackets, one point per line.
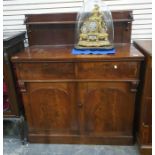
[108, 70]
[45, 71]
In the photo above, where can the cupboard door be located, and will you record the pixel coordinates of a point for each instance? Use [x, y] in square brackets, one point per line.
[107, 108]
[50, 107]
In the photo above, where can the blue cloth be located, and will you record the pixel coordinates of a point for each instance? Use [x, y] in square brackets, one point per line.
[93, 51]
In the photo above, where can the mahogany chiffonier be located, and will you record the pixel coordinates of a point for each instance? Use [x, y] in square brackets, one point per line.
[12, 107]
[77, 98]
[144, 132]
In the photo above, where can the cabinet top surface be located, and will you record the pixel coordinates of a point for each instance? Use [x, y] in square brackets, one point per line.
[63, 53]
[145, 45]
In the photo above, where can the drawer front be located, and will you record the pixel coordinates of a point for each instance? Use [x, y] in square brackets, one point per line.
[45, 71]
[108, 70]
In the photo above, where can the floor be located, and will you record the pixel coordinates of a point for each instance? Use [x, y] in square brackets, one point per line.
[12, 146]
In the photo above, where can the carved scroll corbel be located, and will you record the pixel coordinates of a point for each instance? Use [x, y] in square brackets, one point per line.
[134, 86]
[22, 86]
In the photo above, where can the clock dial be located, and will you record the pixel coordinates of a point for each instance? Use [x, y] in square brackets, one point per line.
[92, 26]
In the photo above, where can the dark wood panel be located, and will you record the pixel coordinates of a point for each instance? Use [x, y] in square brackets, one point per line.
[57, 34]
[83, 70]
[13, 110]
[51, 108]
[125, 52]
[84, 139]
[12, 44]
[63, 17]
[144, 109]
[145, 46]
[45, 71]
[108, 70]
[42, 28]
[102, 104]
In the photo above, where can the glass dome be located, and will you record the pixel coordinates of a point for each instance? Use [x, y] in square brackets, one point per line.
[94, 29]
